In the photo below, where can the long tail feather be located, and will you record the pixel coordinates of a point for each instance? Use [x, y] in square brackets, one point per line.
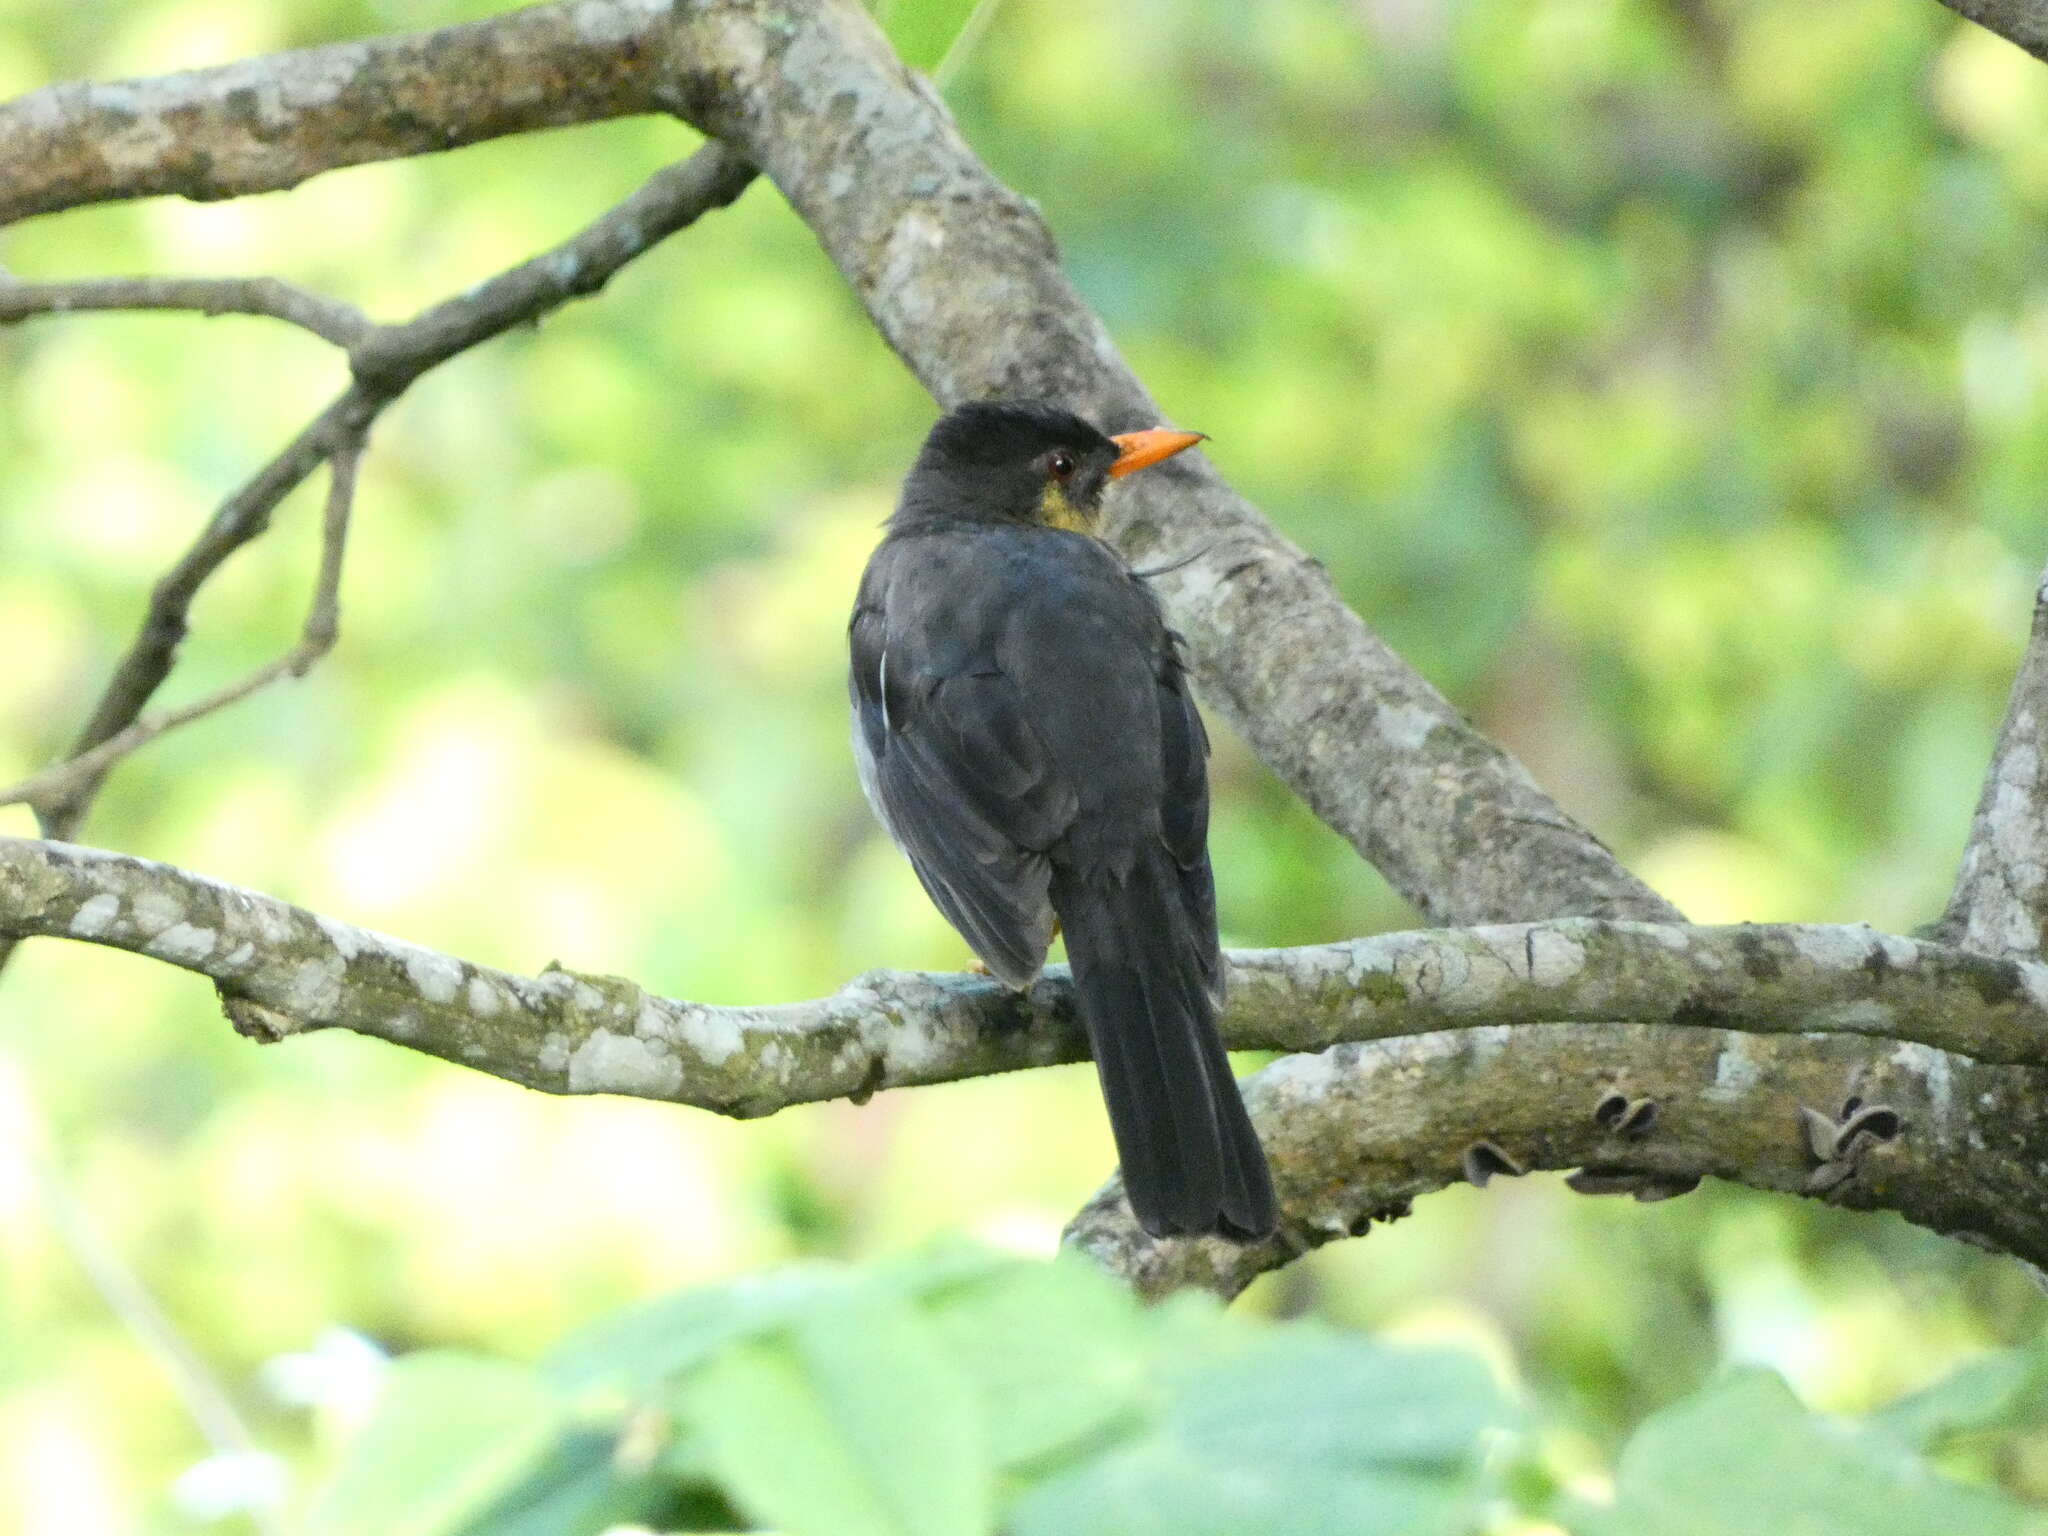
[1191, 1160]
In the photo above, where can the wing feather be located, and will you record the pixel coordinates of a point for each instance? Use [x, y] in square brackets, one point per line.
[1184, 816]
[967, 790]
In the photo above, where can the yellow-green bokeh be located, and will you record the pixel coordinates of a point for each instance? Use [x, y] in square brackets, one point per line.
[1666, 381]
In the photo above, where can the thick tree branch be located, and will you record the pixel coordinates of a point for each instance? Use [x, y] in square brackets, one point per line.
[304, 971]
[2000, 905]
[269, 123]
[262, 125]
[962, 277]
[2024, 22]
[1355, 1131]
[1359, 1132]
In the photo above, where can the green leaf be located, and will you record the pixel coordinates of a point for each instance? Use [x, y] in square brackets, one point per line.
[1308, 1394]
[451, 1433]
[642, 1347]
[1160, 1488]
[1987, 1393]
[855, 1422]
[1056, 1352]
[575, 1490]
[1744, 1456]
[1295, 1430]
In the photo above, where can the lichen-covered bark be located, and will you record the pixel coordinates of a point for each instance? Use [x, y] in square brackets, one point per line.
[1763, 979]
[1360, 1131]
[282, 970]
[2000, 904]
[264, 124]
[1354, 1130]
[896, 1028]
[2024, 22]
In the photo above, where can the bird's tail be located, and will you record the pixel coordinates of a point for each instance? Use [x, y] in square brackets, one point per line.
[1191, 1161]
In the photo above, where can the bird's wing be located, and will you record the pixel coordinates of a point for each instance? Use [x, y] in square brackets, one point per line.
[1091, 650]
[1184, 811]
[962, 780]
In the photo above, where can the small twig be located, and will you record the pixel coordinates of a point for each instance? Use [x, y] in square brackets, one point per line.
[241, 518]
[329, 319]
[323, 619]
[386, 360]
[322, 627]
[675, 197]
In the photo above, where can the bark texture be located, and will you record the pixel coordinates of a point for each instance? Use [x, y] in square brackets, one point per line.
[1356, 1131]
[2000, 904]
[1359, 1132]
[265, 124]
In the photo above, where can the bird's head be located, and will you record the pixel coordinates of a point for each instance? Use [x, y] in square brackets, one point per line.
[1026, 461]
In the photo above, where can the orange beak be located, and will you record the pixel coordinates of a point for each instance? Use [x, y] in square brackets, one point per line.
[1141, 450]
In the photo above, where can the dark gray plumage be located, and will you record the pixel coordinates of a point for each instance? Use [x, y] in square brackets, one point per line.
[1024, 730]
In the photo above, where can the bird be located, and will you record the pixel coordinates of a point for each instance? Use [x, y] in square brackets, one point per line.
[1024, 729]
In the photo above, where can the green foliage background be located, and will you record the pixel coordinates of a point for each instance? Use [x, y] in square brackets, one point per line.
[1664, 378]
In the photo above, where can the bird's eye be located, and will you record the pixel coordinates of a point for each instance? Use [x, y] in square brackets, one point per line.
[1062, 463]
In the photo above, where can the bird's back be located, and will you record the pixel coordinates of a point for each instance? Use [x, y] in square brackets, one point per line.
[1025, 731]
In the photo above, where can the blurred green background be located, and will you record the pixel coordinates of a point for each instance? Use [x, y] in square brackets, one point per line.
[1665, 380]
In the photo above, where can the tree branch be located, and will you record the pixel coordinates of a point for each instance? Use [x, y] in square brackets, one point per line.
[239, 520]
[330, 319]
[669, 201]
[1359, 1132]
[262, 125]
[304, 972]
[2000, 905]
[386, 361]
[962, 277]
[2023, 22]
[269, 123]
[64, 782]
[1356, 1130]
